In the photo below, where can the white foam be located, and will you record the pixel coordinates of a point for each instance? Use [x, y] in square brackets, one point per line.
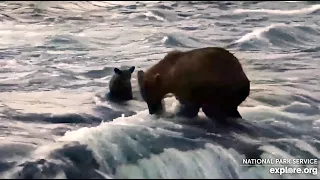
[108, 139]
[308, 148]
[307, 10]
[173, 163]
[8, 63]
[142, 119]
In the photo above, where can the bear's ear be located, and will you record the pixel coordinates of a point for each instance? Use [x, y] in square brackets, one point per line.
[140, 75]
[117, 71]
[157, 78]
[132, 69]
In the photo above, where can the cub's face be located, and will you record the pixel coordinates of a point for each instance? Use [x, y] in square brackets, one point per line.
[150, 90]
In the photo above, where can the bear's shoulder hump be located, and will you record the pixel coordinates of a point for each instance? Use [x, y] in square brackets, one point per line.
[173, 56]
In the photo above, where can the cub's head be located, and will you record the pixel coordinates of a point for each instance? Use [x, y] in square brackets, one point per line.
[151, 91]
[124, 75]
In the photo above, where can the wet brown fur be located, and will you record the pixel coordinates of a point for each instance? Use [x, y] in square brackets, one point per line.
[205, 76]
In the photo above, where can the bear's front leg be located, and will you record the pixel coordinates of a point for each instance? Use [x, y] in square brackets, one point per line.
[187, 109]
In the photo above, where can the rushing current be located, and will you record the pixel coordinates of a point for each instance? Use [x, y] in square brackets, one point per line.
[57, 59]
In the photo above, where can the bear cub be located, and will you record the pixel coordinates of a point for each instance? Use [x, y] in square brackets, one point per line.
[120, 88]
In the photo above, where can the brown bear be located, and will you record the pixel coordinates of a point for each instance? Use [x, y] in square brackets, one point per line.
[210, 78]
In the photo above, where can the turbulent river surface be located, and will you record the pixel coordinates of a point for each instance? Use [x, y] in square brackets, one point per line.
[57, 58]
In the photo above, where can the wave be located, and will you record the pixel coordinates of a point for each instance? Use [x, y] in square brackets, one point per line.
[257, 33]
[157, 15]
[307, 10]
[180, 40]
[145, 146]
[100, 112]
[280, 35]
[64, 118]
[70, 161]
[92, 74]
[154, 14]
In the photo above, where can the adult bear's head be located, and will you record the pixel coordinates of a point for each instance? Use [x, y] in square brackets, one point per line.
[151, 91]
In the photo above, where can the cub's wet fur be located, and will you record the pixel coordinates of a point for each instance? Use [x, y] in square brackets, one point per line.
[120, 88]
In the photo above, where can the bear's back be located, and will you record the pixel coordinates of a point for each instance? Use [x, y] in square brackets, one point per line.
[164, 65]
[211, 65]
[118, 83]
[200, 75]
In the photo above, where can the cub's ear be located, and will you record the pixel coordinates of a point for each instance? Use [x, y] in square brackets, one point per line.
[157, 78]
[140, 76]
[132, 69]
[117, 71]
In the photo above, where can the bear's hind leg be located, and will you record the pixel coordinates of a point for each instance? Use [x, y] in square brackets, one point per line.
[220, 114]
[127, 96]
[234, 113]
[188, 110]
[215, 113]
